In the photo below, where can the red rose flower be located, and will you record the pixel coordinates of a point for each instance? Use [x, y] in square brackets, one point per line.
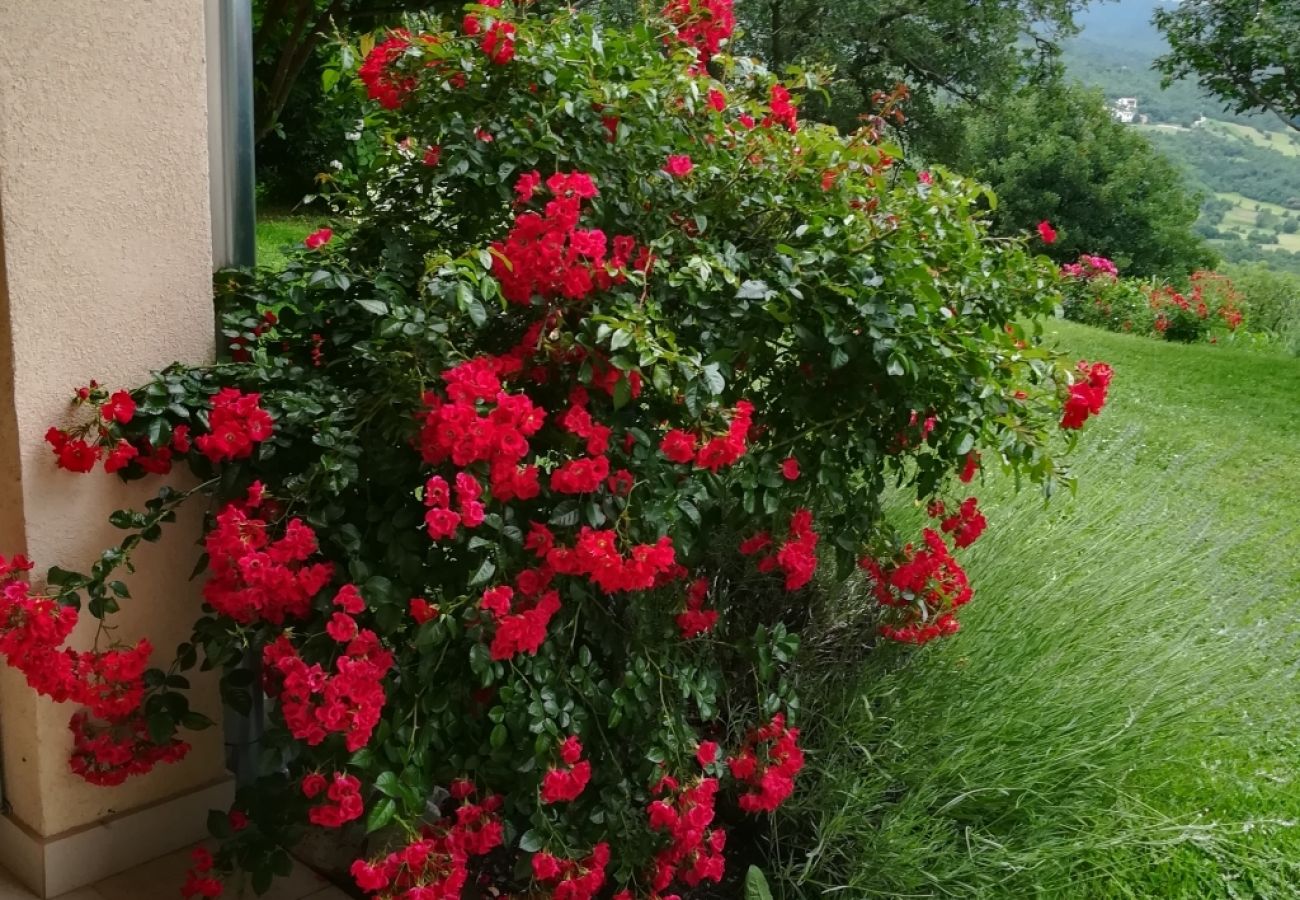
[318, 239]
[679, 166]
[422, 610]
[120, 408]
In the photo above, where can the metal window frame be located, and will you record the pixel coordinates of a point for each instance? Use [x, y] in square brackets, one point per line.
[232, 186]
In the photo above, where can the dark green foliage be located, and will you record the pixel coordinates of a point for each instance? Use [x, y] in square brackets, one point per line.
[1055, 153]
[1222, 163]
[1246, 52]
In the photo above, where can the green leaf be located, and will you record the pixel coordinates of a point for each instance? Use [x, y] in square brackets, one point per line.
[480, 659]
[530, 841]
[63, 577]
[378, 307]
[381, 813]
[499, 737]
[195, 721]
[387, 784]
[161, 727]
[566, 514]
[713, 379]
[262, 879]
[663, 379]
[756, 887]
[484, 573]
[219, 824]
[690, 509]
[620, 339]
[622, 393]
[471, 304]
[154, 432]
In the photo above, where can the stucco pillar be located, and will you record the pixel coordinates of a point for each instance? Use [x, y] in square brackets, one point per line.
[105, 273]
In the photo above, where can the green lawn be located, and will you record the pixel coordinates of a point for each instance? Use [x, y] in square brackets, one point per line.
[278, 231]
[1120, 714]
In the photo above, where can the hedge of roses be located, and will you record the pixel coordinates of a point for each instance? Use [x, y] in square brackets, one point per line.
[521, 479]
[1095, 294]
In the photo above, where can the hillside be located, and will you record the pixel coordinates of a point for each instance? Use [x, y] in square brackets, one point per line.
[1246, 167]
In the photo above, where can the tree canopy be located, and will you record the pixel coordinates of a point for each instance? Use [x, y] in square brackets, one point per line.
[286, 34]
[970, 50]
[1055, 153]
[1246, 52]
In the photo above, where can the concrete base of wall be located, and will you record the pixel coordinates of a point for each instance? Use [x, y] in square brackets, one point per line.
[50, 866]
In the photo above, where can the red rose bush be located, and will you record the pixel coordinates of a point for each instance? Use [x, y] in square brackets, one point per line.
[523, 476]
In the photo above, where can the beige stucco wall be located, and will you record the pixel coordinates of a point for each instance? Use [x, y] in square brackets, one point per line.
[105, 234]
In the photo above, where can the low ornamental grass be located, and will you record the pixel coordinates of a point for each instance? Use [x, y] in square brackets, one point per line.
[1116, 718]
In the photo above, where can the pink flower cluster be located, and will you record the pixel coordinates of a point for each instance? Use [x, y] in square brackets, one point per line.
[694, 851]
[926, 586]
[199, 881]
[435, 865]
[584, 474]
[252, 578]
[783, 112]
[109, 752]
[696, 620]
[498, 40]
[547, 255]
[455, 431]
[565, 783]
[965, 525]
[77, 454]
[376, 71]
[1089, 267]
[521, 627]
[316, 704]
[797, 556]
[970, 467]
[441, 520]
[342, 799]
[596, 556]
[572, 879]
[767, 765]
[1088, 395]
[679, 445]
[110, 739]
[237, 422]
[701, 24]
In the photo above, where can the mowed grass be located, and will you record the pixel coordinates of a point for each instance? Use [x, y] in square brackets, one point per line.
[279, 232]
[1120, 714]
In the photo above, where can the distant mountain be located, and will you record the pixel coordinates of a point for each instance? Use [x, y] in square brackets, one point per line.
[1124, 25]
[1114, 51]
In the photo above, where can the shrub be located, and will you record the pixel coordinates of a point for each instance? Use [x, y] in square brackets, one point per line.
[1271, 298]
[520, 477]
[1095, 295]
